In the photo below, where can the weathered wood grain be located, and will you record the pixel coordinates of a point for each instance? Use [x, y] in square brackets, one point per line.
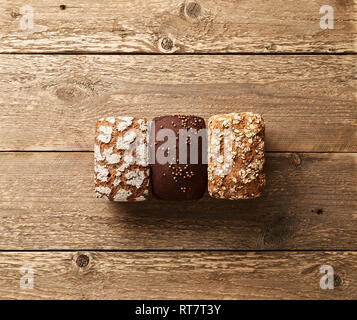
[48, 202]
[169, 26]
[178, 275]
[52, 102]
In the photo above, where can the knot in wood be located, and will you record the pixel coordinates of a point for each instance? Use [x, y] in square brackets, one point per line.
[82, 261]
[62, 6]
[296, 159]
[166, 43]
[14, 14]
[337, 281]
[318, 211]
[192, 10]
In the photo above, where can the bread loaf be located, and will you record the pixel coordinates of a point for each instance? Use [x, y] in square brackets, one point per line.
[185, 178]
[120, 159]
[236, 156]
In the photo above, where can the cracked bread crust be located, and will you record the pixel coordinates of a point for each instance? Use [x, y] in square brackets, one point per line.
[121, 159]
[243, 177]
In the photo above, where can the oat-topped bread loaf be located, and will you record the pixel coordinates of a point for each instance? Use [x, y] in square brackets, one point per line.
[236, 156]
[121, 159]
[181, 177]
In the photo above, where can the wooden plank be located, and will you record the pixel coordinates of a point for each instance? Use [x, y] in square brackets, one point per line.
[178, 275]
[169, 26]
[308, 102]
[48, 202]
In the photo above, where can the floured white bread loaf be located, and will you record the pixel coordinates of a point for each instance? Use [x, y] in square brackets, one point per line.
[236, 156]
[121, 159]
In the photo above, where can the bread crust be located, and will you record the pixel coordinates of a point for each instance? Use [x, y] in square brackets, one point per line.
[120, 159]
[238, 174]
[179, 181]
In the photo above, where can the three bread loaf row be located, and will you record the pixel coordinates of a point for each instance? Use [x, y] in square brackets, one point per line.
[176, 157]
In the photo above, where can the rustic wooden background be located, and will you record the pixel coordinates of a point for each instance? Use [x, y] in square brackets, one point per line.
[86, 59]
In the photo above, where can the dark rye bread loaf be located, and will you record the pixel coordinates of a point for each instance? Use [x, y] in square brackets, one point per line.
[239, 173]
[179, 181]
[120, 159]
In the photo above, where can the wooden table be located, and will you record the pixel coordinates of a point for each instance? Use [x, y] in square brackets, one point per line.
[84, 59]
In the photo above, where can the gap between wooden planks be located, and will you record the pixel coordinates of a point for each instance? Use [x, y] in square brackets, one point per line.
[168, 26]
[48, 202]
[51, 102]
[178, 275]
